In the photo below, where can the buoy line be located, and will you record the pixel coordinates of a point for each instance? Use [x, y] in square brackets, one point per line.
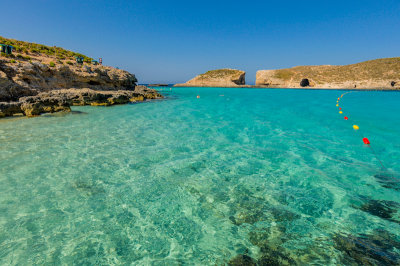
[357, 129]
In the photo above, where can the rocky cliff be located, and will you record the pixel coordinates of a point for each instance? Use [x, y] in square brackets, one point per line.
[380, 73]
[217, 78]
[47, 79]
[21, 78]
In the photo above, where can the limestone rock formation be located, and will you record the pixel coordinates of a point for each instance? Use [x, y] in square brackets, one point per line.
[374, 74]
[28, 79]
[217, 78]
[61, 100]
[38, 79]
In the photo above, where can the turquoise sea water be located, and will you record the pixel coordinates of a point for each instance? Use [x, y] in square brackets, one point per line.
[275, 175]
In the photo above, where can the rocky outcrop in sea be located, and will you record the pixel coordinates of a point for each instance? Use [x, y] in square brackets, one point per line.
[217, 78]
[35, 88]
[61, 100]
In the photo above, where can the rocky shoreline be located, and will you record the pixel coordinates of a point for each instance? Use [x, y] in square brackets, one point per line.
[62, 100]
[378, 74]
[33, 87]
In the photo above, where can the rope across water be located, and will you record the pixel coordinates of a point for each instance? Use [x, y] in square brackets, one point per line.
[359, 132]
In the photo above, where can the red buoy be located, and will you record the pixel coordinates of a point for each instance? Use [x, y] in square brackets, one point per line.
[345, 118]
[340, 108]
[366, 141]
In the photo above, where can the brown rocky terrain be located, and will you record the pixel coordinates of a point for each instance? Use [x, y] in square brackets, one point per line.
[217, 78]
[35, 82]
[374, 74]
[61, 100]
[30, 78]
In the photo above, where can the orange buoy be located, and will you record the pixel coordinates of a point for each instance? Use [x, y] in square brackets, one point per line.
[345, 118]
[198, 96]
[366, 141]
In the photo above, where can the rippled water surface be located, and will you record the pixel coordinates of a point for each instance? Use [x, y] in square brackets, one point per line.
[266, 175]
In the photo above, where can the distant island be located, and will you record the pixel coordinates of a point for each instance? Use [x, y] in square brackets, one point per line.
[36, 79]
[217, 78]
[374, 74]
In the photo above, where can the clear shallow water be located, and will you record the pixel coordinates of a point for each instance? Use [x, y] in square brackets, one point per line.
[277, 175]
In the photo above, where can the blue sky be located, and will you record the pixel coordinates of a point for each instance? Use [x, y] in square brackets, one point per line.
[172, 41]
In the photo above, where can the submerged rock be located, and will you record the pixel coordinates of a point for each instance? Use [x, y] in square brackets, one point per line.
[379, 248]
[242, 260]
[381, 208]
[270, 244]
[87, 187]
[388, 181]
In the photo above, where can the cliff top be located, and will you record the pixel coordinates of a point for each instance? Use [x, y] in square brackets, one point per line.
[225, 77]
[220, 73]
[378, 69]
[40, 52]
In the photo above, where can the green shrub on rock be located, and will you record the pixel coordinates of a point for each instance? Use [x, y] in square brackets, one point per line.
[52, 64]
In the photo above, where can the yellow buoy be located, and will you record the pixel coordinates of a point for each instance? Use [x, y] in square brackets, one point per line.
[356, 127]
[337, 104]
[340, 112]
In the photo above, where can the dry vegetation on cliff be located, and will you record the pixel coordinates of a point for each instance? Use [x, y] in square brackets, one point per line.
[219, 78]
[387, 68]
[39, 79]
[219, 73]
[27, 50]
[368, 74]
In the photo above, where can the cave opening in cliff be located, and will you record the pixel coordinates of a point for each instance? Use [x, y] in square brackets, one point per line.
[304, 83]
[393, 83]
[92, 82]
[240, 81]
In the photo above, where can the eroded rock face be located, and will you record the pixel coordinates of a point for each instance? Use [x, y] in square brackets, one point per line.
[373, 74]
[61, 100]
[36, 105]
[28, 79]
[217, 78]
[36, 88]
[9, 108]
